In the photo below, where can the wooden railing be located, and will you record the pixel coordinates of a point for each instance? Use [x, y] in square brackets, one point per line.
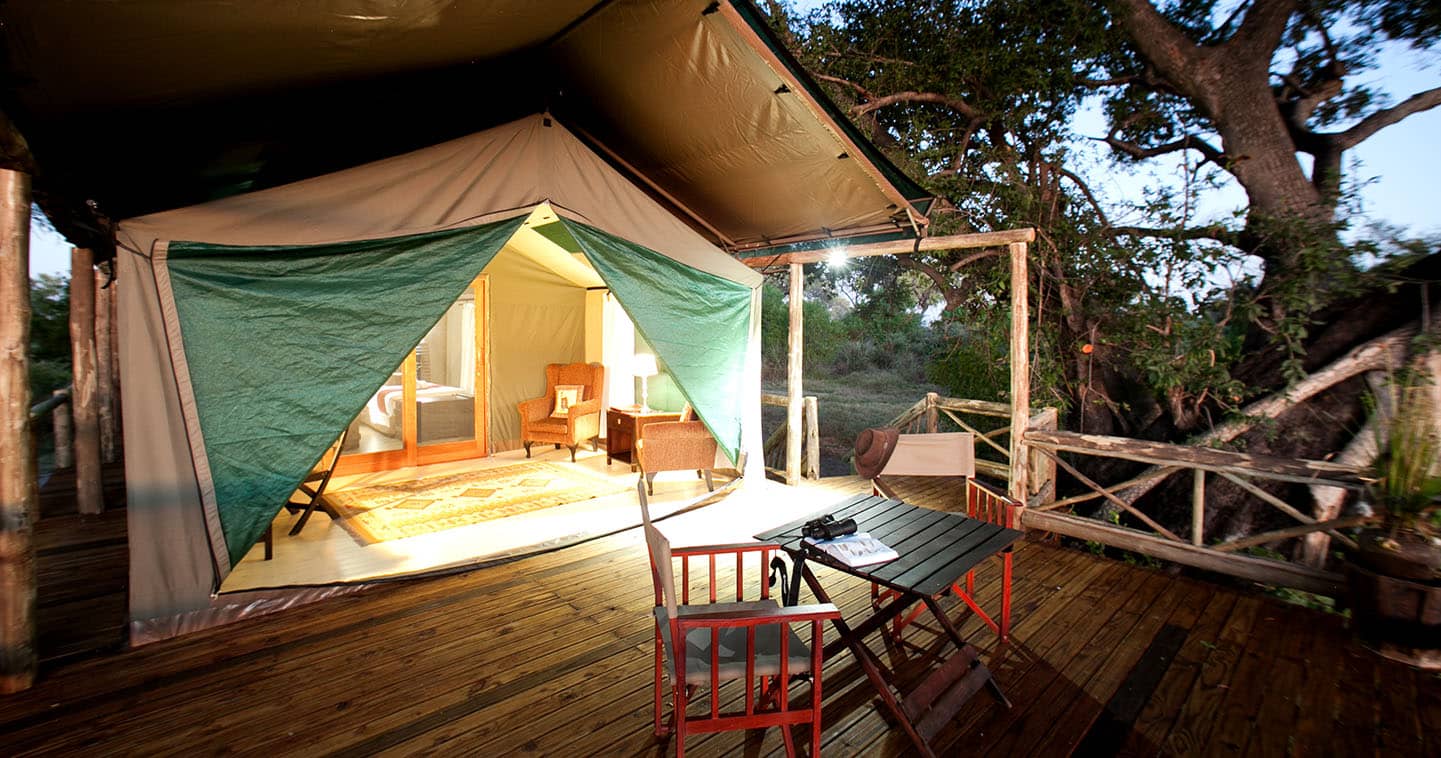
[1044, 445]
[775, 446]
[57, 407]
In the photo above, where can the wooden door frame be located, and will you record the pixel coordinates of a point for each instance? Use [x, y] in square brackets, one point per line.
[411, 453]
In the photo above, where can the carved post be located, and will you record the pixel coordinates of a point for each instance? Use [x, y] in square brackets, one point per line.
[1020, 370]
[1043, 469]
[82, 365]
[933, 416]
[60, 419]
[813, 439]
[794, 390]
[104, 367]
[18, 491]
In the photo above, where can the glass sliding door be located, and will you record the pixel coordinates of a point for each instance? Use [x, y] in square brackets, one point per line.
[434, 408]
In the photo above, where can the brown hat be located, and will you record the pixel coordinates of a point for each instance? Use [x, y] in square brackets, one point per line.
[873, 449]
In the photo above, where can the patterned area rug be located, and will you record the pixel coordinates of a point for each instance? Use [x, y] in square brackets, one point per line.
[433, 504]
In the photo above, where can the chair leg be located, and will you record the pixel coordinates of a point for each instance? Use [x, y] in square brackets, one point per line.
[709, 485]
[595, 447]
[304, 517]
[527, 448]
[572, 452]
[557, 446]
[269, 542]
[790, 740]
[650, 483]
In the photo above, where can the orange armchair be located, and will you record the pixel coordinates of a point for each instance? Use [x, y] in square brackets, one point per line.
[580, 423]
[685, 445]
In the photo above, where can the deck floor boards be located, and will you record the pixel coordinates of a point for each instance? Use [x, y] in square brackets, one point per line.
[552, 655]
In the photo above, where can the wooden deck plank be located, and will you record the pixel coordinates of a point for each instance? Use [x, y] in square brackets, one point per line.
[1193, 725]
[467, 663]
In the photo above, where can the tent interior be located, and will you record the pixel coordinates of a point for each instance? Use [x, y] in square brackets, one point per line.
[535, 303]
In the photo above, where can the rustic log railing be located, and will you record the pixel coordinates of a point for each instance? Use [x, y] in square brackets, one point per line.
[1044, 446]
[775, 446]
[57, 407]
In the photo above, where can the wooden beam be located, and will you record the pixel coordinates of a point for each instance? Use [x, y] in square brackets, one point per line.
[84, 402]
[18, 489]
[1188, 456]
[1020, 371]
[896, 247]
[978, 407]
[794, 390]
[105, 366]
[1256, 569]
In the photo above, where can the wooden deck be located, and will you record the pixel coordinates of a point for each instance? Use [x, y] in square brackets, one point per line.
[552, 655]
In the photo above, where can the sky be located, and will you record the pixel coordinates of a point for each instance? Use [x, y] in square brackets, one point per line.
[1398, 167]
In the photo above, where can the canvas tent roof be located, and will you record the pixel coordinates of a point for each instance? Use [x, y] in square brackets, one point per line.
[131, 108]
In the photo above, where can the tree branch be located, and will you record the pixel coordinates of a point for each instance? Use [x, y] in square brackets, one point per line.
[1421, 101]
[956, 104]
[1261, 30]
[1188, 142]
[862, 91]
[1213, 232]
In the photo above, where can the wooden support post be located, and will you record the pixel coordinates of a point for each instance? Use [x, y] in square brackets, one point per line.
[933, 419]
[18, 489]
[1020, 371]
[813, 439]
[1198, 508]
[60, 419]
[82, 366]
[104, 366]
[794, 390]
[1043, 469]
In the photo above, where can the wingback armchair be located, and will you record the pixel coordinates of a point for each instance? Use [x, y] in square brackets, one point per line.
[579, 423]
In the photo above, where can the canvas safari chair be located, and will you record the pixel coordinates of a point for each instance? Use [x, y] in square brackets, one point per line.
[540, 421]
[684, 445]
[308, 496]
[882, 453]
[700, 646]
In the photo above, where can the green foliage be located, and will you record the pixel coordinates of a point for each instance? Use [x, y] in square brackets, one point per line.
[49, 334]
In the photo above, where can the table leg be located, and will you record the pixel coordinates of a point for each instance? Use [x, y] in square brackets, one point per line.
[792, 595]
[961, 644]
[878, 682]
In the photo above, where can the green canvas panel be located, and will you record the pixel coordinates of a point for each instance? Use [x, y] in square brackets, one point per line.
[697, 322]
[285, 345]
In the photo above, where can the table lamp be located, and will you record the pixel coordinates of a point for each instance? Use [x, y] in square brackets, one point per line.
[644, 367]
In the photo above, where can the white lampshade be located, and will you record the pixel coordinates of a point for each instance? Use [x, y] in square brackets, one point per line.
[644, 365]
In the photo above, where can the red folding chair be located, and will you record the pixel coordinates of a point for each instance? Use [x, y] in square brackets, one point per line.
[951, 454]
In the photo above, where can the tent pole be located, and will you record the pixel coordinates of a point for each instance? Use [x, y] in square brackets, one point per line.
[105, 365]
[1020, 373]
[18, 490]
[794, 390]
[83, 402]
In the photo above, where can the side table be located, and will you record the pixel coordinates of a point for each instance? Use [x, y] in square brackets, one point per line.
[623, 427]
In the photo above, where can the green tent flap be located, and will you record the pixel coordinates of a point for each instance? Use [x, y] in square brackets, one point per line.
[285, 345]
[698, 323]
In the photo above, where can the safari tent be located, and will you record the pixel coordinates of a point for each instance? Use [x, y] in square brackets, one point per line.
[306, 190]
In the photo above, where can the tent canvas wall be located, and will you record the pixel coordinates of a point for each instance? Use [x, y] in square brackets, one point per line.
[253, 327]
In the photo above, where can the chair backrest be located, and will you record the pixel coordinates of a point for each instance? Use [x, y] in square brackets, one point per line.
[943, 454]
[661, 573]
[687, 413]
[589, 375]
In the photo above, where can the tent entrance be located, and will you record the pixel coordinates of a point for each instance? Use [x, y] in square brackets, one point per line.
[435, 406]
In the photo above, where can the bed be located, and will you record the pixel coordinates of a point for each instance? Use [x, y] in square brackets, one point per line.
[445, 413]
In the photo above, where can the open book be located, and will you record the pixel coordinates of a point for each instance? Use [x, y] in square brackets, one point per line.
[860, 549]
